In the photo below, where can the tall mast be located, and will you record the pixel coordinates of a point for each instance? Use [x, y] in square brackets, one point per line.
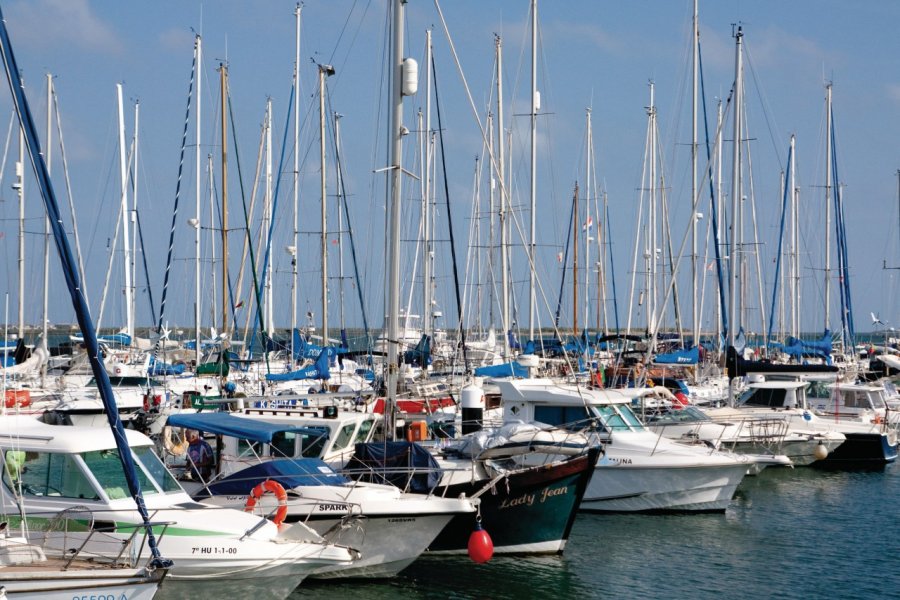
[575, 263]
[502, 216]
[267, 214]
[733, 264]
[427, 324]
[652, 215]
[695, 305]
[828, 184]
[49, 157]
[395, 134]
[134, 214]
[534, 109]
[795, 251]
[340, 214]
[196, 221]
[293, 249]
[324, 70]
[223, 79]
[19, 186]
[126, 240]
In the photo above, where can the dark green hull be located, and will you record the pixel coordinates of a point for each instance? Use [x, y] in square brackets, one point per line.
[529, 512]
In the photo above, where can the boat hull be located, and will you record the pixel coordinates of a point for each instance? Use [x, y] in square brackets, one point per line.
[861, 451]
[529, 512]
[677, 488]
[32, 584]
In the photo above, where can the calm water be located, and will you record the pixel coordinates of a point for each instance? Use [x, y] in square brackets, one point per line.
[797, 533]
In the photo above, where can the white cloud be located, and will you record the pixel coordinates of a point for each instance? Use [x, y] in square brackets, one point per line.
[893, 91]
[178, 40]
[63, 23]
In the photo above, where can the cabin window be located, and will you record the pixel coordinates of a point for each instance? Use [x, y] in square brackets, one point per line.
[107, 469]
[818, 389]
[573, 418]
[249, 448]
[629, 417]
[611, 417]
[283, 444]
[156, 469]
[364, 428]
[771, 397]
[46, 474]
[313, 444]
[344, 436]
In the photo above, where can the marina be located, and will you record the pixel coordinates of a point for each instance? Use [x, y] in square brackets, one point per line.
[719, 419]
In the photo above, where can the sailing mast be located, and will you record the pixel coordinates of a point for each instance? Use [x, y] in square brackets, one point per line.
[534, 108]
[733, 267]
[399, 88]
[427, 251]
[267, 217]
[695, 315]
[502, 215]
[195, 222]
[126, 243]
[324, 71]
[575, 264]
[828, 184]
[223, 78]
[19, 186]
[49, 155]
[293, 249]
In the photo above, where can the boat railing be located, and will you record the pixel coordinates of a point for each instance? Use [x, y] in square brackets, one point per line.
[76, 533]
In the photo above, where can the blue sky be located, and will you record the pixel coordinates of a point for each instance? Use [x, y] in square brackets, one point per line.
[597, 54]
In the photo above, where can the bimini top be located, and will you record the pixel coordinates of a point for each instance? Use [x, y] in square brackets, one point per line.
[220, 423]
[27, 433]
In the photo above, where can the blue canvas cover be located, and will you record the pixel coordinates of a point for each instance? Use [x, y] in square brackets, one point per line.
[319, 370]
[510, 369]
[290, 473]
[406, 465]
[690, 356]
[220, 423]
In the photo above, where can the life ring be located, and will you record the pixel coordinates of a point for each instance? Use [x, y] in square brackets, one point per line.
[174, 443]
[272, 487]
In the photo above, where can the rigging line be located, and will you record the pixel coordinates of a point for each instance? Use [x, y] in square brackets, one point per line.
[565, 261]
[712, 196]
[437, 105]
[784, 208]
[146, 268]
[69, 195]
[165, 290]
[256, 280]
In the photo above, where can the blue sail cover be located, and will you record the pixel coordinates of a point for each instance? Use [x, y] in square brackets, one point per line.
[398, 463]
[220, 423]
[690, 356]
[319, 370]
[158, 368]
[290, 473]
[510, 369]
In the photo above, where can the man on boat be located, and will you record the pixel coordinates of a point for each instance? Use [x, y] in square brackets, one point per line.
[200, 456]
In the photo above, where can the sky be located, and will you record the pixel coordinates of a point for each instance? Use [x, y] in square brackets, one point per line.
[592, 55]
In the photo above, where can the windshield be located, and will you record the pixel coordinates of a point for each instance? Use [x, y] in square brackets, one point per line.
[157, 469]
[107, 469]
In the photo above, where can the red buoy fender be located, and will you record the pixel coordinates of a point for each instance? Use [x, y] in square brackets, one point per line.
[269, 486]
[481, 547]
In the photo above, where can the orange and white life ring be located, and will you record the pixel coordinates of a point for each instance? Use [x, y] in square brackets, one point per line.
[269, 486]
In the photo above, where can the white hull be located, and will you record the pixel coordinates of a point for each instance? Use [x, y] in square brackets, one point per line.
[33, 584]
[616, 488]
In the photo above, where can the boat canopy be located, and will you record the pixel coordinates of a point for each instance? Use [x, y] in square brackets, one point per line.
[403, 464]
[226, 424]
[290, 473]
